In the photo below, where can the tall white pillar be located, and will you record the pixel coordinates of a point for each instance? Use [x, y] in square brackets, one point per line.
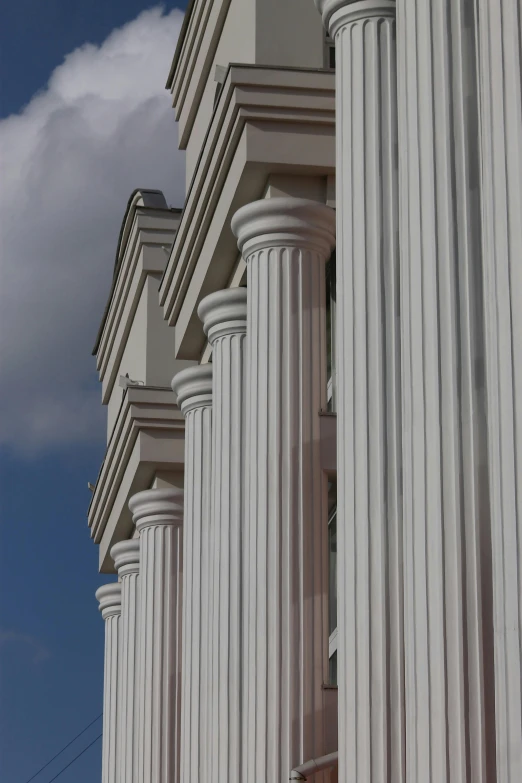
[447, 615]
[109, 597]
[285, 243]
[369, 531]
[500, 74]
[158, 516]
[193, 390]
[224, 321]
[126, 556]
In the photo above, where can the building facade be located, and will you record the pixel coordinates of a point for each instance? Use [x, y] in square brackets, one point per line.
[311, 372]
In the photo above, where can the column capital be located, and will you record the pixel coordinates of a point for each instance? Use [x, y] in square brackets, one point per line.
[154, 507]
[109, 597]
[336, 13]
[284, 222]
[224, 312]
[126, 556]
[193, 387]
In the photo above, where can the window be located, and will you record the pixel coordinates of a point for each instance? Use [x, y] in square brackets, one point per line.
[332, 582]
[330, 331]
[329, 53]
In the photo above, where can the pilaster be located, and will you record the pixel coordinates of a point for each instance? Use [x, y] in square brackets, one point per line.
[285, 243]
[109, 597]
[126, 556]
[193, 390]
[158, 516]
[224, 315]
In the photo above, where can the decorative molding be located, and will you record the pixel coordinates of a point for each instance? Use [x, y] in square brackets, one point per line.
[146, 231]
[192, 387]
[338, 13]
[223, 313]
[277, 100]
[148, 436]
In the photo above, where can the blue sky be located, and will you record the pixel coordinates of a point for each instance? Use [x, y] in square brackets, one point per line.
[100, 126]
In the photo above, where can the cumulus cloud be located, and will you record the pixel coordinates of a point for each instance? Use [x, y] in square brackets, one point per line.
[70, 159]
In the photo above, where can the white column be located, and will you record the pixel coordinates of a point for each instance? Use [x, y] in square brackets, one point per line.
[109, 597]
[193, 390]
[369, 531]
[126, 556]
[445, 499]
[500, 57]
[158, 516]
[224, 321]
[285, 243]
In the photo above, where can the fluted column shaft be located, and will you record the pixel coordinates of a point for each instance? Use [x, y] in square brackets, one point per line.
[285, 243]
[224, 321]
[126, 556]
[445, 499]
[109, 597]
[369, 533]
[500, 58]
[158, 516]
[193, 389]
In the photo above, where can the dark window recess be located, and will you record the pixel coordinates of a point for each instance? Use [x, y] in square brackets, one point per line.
[331, 57]
[332, 669]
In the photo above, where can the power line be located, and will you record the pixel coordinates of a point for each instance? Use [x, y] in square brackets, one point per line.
[65, 747]
[75, 758]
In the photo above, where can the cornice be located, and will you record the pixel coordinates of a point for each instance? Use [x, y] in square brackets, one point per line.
[284, 222]
[190, 69]
[192, 387]
[154, 507]
[251, 95]
[224, 312]
[149, 234]
[146, 411]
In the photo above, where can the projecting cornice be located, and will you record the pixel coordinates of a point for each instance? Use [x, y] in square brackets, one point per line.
[149, 436]
[266, 121]
[146, 235]
[190, 69]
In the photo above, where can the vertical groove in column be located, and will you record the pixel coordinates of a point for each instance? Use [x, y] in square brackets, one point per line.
[224, 321]
[285, 570]
[193, 389]
[109, 597]
[499, 25]
[446, 504]
[372, 732]
[158, 515]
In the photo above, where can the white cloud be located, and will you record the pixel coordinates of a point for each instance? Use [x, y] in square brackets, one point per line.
[102, 127]
[40, 652]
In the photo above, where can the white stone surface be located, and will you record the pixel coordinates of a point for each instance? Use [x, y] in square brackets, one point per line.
[193, 390]
[109, 597]
[158, 516]
[224, 315]
[126, 556]
[499, 47]
[285, 243]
